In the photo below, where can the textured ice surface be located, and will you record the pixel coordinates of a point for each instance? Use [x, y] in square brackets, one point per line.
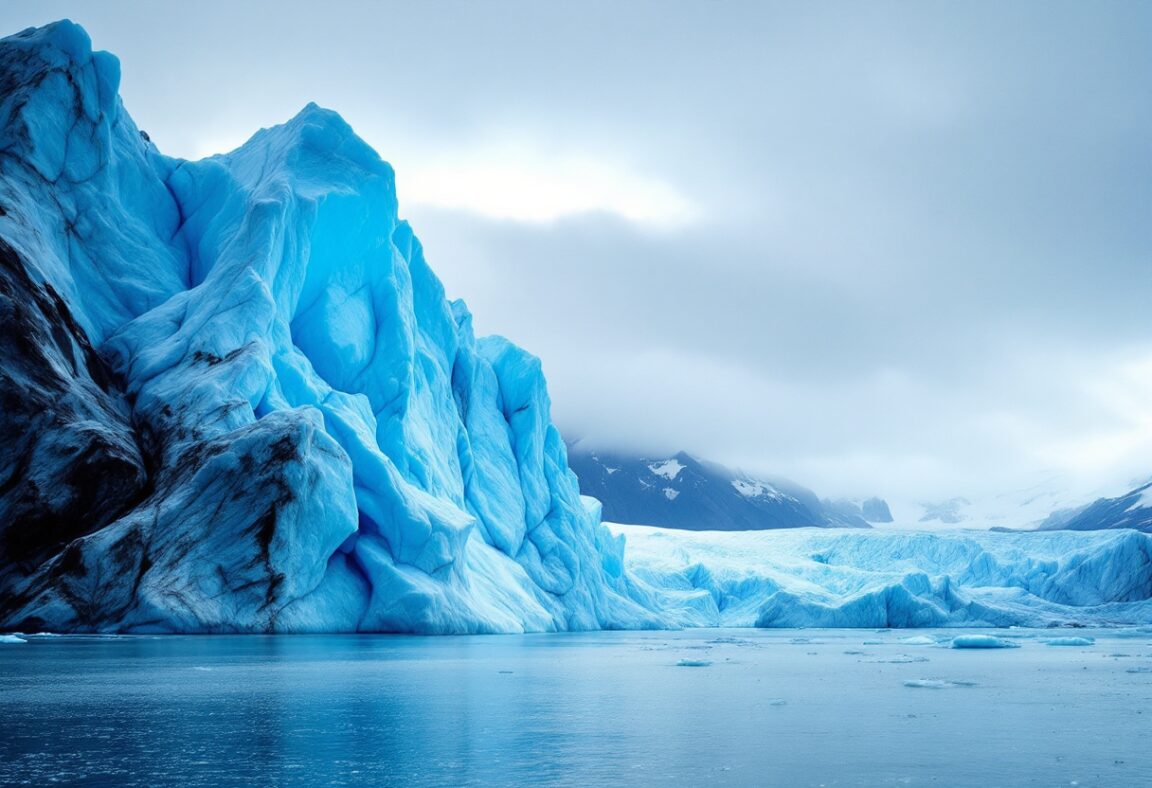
[1073, 641]
[982, 641]
[236, 398]
[849, 578]
[937, 683]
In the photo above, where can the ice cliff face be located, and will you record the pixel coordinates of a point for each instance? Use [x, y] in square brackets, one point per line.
[820, 578]
[235, 397]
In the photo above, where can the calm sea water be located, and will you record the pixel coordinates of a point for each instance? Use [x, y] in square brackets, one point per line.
[788, 708]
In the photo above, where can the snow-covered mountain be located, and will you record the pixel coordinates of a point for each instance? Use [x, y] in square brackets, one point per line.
[688, 493]
[235, 397]
[1048, 501]
[1132, 509]
[685, 492]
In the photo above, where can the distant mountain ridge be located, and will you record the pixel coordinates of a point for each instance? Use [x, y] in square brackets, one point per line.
[1051, 502]
[1132, 509]
[689, 493]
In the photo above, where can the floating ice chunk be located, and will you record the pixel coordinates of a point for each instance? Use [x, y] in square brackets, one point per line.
[1077, 641]
[926, 683]
[1140, 669]
[693, 663]
[12, 639]
[937, 683]
[918, 640]
[777, 702]
[982, 641]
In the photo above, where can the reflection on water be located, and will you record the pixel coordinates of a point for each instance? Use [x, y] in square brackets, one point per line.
[758, 708]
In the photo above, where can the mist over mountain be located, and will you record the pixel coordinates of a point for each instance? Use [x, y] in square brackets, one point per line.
[1132, 509]
[682, 491]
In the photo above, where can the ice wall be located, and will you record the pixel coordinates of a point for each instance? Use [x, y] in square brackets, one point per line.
[819, 578]
[238, 400]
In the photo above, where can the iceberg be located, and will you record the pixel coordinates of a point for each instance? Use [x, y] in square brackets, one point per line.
[937, 684]
[1070, 641]
[694, 663]
[236, 398]
[918, 640]
[982, 641]
[814, 577]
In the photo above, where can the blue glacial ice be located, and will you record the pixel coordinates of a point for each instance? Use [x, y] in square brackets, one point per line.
[236, 399]
[819, 578]
[1070, 641]
[982, 641]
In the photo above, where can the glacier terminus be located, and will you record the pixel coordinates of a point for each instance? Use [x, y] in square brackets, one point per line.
[237, 399]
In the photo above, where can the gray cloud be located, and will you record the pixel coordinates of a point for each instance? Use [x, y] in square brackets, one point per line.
[921, 259]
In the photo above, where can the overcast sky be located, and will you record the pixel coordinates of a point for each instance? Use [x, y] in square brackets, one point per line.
[899, 249]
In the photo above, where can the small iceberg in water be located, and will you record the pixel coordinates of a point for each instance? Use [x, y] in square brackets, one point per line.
[982, 641]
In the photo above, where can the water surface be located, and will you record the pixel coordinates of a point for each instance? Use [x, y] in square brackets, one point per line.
[699, 707]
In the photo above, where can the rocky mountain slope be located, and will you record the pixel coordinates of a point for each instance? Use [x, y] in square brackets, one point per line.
[685, 492]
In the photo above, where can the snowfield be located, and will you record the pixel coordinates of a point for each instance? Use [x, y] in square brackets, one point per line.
[813, 577]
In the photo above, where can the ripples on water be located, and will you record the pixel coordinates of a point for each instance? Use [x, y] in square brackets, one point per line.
[701, 707]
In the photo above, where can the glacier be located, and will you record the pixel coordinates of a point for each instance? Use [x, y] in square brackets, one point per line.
[235, 398]
[810, 577]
